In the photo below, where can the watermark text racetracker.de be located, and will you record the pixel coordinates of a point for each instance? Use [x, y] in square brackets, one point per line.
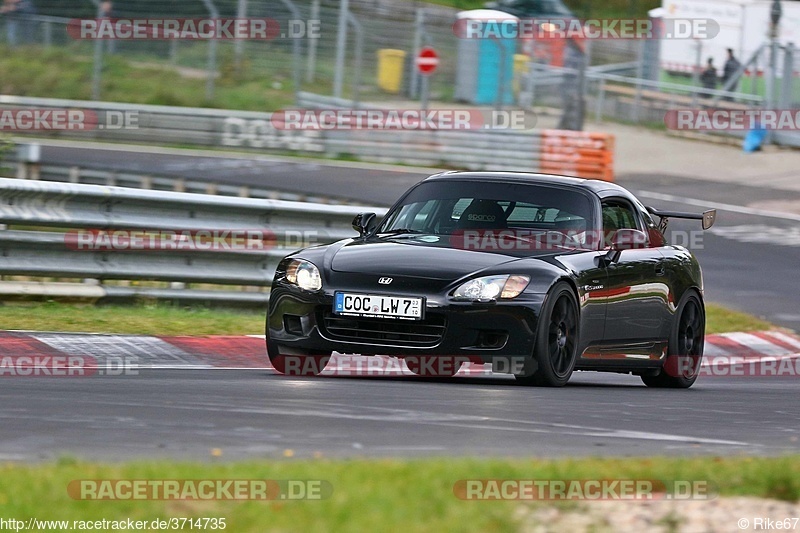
[733, 366]
[167, 29]
[199, 489]
[67, 366]
[532, 240]
[210, 240]
[594, 29]
[732, 119]
[30, 119]
[304, 129]
[403, 119]
[582, 489]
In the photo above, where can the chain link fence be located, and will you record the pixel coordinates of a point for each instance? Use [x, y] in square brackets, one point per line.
[619, 79]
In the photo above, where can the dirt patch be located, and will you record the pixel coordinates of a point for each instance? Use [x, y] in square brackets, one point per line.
[716, 515]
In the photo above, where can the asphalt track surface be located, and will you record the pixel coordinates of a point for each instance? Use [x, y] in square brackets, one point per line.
[375, 186]
[256, 413]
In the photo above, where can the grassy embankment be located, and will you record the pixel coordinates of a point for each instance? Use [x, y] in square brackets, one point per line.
[372, 495]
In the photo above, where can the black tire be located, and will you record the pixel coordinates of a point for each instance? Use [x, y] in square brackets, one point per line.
[310, 364]
[557, 340]
[685, 350]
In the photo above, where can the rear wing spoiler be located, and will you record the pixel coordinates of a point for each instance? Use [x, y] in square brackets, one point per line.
[708, 217]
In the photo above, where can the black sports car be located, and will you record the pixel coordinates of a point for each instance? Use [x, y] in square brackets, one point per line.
[538, 275]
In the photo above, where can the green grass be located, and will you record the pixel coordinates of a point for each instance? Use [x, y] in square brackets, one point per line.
[720, 319]
[167, 320]
[66, 73]
[139, 319]
[371, 495]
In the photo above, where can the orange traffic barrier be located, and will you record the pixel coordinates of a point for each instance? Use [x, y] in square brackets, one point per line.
[578, 153]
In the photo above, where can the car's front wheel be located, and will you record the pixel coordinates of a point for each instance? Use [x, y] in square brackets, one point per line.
[685, 350]
[556, 348]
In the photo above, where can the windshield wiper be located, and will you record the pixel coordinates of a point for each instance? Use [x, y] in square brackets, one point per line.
[399, 231]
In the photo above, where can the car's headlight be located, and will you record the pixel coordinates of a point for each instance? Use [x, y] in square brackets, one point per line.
[492, 287]
[304, 274]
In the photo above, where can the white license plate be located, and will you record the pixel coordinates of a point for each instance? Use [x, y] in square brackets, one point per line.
[350, 304]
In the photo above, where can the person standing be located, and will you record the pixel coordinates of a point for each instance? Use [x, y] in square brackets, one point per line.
[729, 71]
[572, 89]
[708, 78]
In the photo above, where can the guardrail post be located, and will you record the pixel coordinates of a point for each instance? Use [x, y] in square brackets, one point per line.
[48, 34]
[419, 30]
[639, 73]
[238, 45]
[341, 48]
[97, 71]
[28, 161]
[698, 61]
[358, 57]
[173, 51]
[296, 52]
[601, 96]
[788, 76]
[311, 64]
[212, 53]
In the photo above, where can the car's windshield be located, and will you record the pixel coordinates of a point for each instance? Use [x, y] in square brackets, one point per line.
[446, 207]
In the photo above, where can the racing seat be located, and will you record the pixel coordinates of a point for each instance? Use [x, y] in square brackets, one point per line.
[483, 214]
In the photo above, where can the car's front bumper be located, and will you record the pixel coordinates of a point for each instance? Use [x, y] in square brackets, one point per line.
[301, 322]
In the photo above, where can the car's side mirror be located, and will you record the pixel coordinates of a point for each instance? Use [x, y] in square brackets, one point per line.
[365, 223]
[625, 239]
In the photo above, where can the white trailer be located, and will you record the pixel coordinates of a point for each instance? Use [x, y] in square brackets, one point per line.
[743, 26]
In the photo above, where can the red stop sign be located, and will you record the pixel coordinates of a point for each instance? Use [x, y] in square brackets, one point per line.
[427, 60]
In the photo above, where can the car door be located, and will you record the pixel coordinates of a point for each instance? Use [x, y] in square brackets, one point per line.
[636, 292]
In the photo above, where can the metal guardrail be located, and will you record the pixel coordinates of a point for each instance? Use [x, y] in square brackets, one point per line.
[469, 149]
[27, 249]
[114, 178]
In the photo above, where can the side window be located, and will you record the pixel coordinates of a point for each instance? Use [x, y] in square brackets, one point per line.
[618, 214]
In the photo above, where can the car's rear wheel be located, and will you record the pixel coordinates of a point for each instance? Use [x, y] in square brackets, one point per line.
[685, 350]
[311, 364]
[556, 347]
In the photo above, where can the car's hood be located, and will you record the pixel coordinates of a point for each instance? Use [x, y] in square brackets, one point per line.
[418, 256]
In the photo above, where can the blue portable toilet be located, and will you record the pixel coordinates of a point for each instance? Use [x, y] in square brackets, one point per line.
[486, 60]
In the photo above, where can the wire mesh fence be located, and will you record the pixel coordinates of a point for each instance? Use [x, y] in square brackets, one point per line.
[624, 77]
[375, 25]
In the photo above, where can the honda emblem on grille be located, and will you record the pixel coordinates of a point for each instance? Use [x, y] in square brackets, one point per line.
[385, 281]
